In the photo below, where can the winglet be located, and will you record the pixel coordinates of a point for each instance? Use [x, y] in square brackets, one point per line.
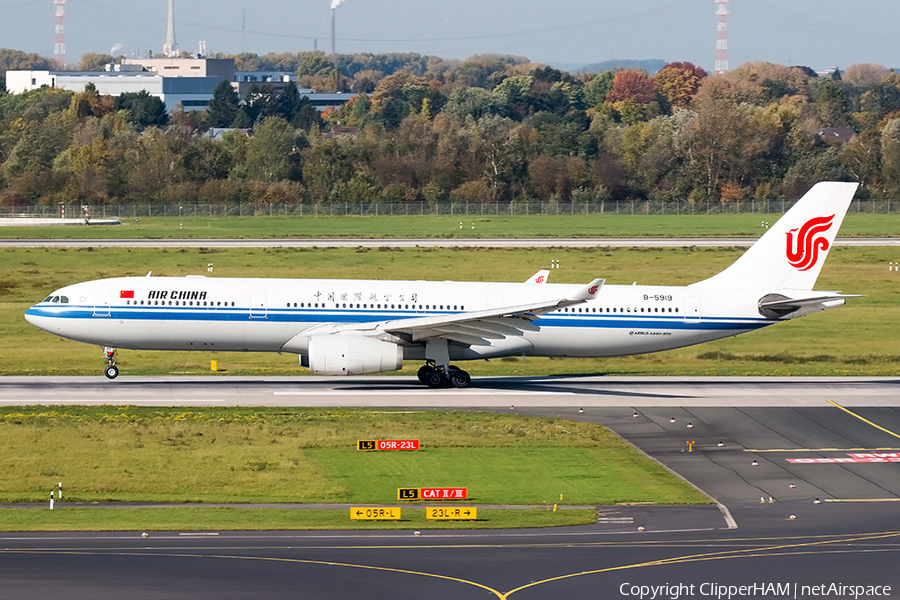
[588, 292]
[539, 277]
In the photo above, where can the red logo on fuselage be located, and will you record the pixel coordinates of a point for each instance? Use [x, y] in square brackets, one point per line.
[803, 253]
[540, 279]
[593, 289]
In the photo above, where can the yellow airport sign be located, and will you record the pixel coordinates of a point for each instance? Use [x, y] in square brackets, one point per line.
[459, 513]
[366, 445]
[407, 493]
[375, 513]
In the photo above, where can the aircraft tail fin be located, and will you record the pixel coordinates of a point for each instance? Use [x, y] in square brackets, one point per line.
[791, 253]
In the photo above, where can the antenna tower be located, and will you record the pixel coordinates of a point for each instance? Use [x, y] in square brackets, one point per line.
[59, 32]
[721, 36]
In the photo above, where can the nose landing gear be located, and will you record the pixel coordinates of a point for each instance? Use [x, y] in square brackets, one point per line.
[111, 371]
[435, 377]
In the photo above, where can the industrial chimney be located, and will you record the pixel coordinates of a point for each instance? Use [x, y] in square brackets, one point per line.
[334, 5]
[170, 48]
[332, 31]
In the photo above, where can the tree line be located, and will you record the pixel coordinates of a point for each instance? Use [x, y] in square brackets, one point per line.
[487, 129]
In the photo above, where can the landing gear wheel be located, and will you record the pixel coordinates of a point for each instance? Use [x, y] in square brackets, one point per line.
[435, 379]
[424, 372]
[459, 378]
[111, 372]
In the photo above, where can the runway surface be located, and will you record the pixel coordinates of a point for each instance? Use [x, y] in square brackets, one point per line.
[860, 549]
[837, 427]
[574, 391]
[418, 243]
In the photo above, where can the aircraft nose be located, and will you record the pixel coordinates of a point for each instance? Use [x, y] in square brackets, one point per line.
[31, 315]
[38, 317]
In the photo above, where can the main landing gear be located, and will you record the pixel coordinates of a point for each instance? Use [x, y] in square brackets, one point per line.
[435, 377]
[111, 371]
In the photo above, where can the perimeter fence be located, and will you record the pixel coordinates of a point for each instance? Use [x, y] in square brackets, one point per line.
[462, 209]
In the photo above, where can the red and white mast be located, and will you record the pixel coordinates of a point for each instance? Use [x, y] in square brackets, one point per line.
[59, 32]
[721, 36]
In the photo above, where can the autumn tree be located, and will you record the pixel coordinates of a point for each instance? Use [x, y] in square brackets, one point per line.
[632, 85]
[761, 82]
[864, 75]
[91, 61]
[677, 85]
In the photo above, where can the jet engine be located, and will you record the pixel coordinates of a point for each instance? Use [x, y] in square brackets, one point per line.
[352, 354]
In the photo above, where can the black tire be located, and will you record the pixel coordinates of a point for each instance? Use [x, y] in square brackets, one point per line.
[460, 379]
[111, 372]
[435, 379]
[423, 373]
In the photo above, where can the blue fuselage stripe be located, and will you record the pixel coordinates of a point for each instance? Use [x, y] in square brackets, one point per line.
[281, 315]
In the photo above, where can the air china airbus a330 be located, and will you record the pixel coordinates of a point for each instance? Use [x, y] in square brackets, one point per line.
[351, 327]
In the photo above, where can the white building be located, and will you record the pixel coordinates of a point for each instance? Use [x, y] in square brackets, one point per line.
[193, 93]
[189, 82]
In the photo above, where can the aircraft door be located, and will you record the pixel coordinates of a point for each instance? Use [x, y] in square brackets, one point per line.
[691, 309]
[101, 304]
[258, 307]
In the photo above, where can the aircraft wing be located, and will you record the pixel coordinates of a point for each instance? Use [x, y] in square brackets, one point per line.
[477, 327]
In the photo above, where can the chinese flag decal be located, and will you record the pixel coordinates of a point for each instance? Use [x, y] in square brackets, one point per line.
[126, 294]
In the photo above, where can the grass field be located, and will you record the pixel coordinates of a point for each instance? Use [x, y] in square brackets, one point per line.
[444, 226]
[63, 518]
[858, 339]
[309, 455]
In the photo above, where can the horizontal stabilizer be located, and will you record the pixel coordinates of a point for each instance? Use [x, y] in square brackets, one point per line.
[777, 306]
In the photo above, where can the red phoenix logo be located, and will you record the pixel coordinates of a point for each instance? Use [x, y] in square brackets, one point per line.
[803, 253]
[540, 279]
[593, 289]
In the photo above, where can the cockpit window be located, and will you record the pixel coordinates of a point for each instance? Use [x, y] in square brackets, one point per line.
[55, 299]
[63, 299]
[48, 299]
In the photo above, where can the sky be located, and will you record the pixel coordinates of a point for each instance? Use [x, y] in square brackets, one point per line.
[820, 34]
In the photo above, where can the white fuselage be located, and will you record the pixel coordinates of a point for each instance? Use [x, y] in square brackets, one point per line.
[271, 315]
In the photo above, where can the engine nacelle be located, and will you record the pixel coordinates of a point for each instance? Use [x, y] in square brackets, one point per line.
[352, 354]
